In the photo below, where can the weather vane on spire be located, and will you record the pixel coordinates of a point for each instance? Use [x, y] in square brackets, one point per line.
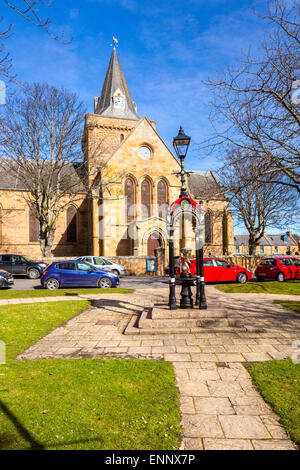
[115, 41]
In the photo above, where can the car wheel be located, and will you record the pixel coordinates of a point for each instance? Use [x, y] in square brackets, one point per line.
[116, 272]
[104, 283]
[280, 277]
[52, 284]
[33, 273]
[242, 278]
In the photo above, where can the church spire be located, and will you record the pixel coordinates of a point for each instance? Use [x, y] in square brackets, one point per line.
[115, 99]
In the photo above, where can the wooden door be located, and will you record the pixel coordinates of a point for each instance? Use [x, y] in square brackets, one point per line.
[154, 241]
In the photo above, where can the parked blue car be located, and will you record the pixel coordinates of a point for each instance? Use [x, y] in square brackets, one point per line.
[77, 274]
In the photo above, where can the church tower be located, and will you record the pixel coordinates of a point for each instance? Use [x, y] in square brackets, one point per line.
[115, 115]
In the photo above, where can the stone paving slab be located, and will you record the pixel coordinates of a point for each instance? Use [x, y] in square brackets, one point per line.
[220, 407]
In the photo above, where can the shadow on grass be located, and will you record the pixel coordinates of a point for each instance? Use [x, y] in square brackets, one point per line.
[6, 440]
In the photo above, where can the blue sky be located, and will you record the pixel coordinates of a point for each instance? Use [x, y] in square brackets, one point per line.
[166, 49]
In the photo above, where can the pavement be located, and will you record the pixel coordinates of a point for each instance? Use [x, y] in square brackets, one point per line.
[220, 407]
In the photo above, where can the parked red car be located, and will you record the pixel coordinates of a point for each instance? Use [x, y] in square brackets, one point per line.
[280, 268]
[219, 270]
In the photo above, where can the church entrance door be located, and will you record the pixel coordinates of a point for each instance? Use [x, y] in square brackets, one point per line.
[154, 241]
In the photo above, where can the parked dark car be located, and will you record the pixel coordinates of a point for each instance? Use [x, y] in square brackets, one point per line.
[281, 269]
[17, 264]
[77, 274]
[6, 280]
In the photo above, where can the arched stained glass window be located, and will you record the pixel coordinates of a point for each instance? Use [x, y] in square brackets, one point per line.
[146, 199]
[72, 224]
[34, 225]
[130, 208]
[162, 198]
[208, 227]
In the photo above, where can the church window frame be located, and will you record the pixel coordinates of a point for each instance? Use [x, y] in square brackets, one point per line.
[146, 204]
[130, 199]
[33, 225]
[72, 224]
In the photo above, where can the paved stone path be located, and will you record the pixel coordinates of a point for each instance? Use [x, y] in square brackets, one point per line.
[221, 409]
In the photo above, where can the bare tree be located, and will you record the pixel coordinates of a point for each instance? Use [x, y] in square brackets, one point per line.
[41, 136]
[32, 12]
[254, 107]
[258, 203]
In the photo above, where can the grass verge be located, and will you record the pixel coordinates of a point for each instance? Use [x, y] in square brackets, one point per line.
[293, 305]
[279, 384]
[273, 287]
[24, 294]
[80, 403]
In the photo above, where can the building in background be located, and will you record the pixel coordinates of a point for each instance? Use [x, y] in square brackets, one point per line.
[280, 244]
[125, 217]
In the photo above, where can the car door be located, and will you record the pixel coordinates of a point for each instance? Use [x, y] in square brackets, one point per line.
[223, 271]
[6, 263]
[296, 263]
[68, 274]
[88, 275]
[287, 268]
[208, 268]
[19, 265]
[294, 269]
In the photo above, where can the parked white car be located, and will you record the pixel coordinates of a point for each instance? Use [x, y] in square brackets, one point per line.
[104, 263]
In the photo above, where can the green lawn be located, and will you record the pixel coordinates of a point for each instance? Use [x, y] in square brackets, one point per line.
[279, 384]
[80, 403]
[293, 305]
[24, 294]
[273, 287]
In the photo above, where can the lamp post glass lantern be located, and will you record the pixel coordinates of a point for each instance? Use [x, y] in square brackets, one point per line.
[181, 144]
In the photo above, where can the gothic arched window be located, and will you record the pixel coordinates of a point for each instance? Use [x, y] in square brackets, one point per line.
[72, 224]
[146, 198]
[34, 226]
[162, 198]
[129, 199]
[208, 227]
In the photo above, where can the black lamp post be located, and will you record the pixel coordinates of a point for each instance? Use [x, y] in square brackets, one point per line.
[181, 144]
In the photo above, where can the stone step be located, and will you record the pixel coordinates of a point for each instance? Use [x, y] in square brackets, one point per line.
[164, 313]
[145, 321]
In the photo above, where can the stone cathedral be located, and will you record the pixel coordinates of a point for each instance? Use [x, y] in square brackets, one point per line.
[132, 174]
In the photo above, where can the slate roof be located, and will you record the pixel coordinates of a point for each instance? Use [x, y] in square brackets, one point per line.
[204, 185]
[266, 240]
[115, 79]
[73, 175]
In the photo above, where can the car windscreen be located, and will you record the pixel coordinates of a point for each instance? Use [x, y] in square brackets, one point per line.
[268, 262]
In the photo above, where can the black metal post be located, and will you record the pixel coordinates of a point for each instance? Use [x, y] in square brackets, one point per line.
[197, 270]
[202, 298]
[172, 294]
[183, 190]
